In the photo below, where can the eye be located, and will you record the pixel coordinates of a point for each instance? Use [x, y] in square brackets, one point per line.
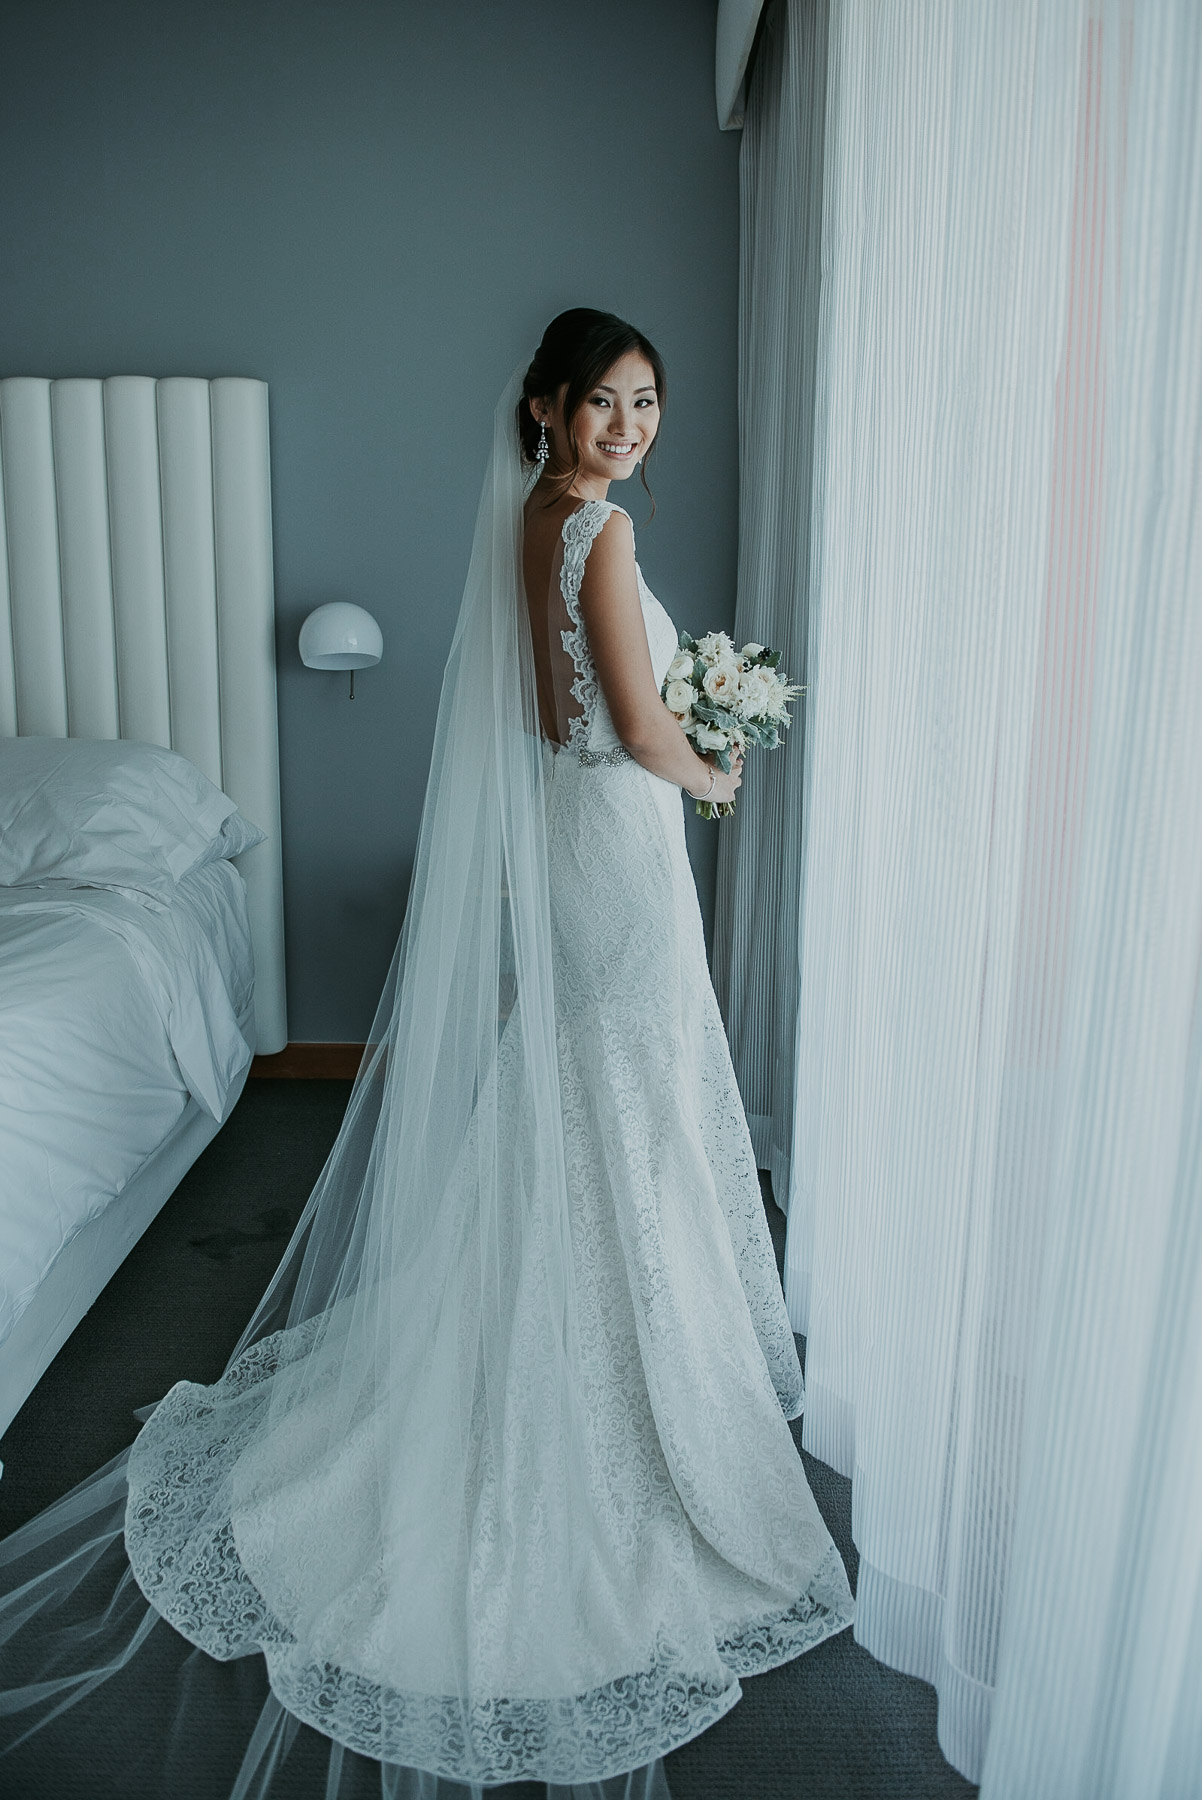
[646, 400]
[599, 400]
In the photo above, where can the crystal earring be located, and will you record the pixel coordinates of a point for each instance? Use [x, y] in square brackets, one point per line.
[542, 453]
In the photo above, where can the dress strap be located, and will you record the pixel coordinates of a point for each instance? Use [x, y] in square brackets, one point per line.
[580, 531]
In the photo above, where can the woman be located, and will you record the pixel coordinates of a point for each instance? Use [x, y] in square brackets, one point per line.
[499, 1479]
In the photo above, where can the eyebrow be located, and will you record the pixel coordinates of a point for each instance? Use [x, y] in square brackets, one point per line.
[603, 388]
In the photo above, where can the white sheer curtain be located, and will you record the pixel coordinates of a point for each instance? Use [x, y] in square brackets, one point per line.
[995, 1221]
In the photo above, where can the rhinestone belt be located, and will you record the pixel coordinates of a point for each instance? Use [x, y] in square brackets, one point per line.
[591, 758]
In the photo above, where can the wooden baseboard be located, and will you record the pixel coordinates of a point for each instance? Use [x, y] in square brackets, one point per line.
[311, 1062]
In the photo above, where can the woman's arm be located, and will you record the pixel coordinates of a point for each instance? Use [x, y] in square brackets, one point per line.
[613, 617]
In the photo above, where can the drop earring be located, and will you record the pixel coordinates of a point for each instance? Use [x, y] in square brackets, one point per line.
[542, 453]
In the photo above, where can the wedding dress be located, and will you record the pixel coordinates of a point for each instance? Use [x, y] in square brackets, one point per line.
[499, 1480]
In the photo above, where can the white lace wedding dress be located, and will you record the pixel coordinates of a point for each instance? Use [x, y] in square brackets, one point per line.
[695, 1553]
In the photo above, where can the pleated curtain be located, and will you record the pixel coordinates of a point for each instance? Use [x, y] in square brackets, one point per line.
[759, 863]
[760, 850]
[995, 1180]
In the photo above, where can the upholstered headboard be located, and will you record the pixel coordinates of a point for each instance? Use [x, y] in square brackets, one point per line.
[136, 595]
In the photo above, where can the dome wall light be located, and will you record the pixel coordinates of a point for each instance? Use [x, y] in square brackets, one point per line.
[341, 636]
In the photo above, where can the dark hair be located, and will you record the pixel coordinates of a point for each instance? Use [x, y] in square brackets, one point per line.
[579, 348]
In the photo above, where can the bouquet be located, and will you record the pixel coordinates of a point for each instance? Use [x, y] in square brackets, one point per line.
[726, 699]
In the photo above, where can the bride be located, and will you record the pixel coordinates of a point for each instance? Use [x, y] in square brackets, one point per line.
[499, 1479]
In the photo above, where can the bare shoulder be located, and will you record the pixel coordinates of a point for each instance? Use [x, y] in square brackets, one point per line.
[544, 524]
[542, 532]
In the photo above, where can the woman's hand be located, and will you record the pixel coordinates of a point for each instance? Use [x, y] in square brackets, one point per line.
[725, 786]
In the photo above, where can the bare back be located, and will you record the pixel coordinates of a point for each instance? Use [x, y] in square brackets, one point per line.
[589, 613]
[542, 560]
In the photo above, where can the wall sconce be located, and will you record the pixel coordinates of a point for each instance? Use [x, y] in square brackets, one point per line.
[341, 636]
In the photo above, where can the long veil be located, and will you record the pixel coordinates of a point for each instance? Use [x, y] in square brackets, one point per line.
[397, 1438]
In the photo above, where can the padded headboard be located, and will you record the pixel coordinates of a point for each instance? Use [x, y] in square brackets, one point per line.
[136, 595]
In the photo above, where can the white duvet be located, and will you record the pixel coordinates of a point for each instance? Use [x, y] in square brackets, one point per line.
[111, 1014]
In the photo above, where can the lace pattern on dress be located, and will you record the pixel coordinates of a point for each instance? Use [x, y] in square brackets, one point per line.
[185, 1560]
[579, 533]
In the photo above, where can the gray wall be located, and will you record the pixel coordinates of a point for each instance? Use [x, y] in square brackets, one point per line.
[375, 208]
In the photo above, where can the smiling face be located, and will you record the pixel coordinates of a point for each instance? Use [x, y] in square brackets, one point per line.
[614, 427]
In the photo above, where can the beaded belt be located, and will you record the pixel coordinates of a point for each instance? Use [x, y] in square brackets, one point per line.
[591, 758]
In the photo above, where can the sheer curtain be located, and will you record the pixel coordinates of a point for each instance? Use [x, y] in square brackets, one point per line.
[995, 1219]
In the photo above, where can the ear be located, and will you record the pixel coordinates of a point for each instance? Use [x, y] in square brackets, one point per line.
[539, 409]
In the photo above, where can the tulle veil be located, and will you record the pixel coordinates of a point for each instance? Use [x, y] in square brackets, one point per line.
[418, 1337]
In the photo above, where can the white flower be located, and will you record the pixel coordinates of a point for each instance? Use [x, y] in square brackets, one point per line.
[681, 666]
[715, 646]
[778, 707]
[679, 696]
[709, 739]
[721, 683]
[757, 691]
[751, 650]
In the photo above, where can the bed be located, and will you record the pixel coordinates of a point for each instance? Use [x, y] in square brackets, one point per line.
[136, 609]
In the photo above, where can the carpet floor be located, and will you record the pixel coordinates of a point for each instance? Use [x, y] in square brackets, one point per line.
[832, 1725]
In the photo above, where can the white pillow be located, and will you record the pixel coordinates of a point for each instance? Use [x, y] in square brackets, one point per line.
[236, 835]
[93, 812]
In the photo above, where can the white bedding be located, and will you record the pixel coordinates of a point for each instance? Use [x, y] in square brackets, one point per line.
[111, 1012]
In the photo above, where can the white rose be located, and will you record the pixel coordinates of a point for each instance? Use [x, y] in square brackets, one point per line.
[751, 650]
[757, 691]
[679, 696]
[681, 666]
[709, 739]
[721, 683]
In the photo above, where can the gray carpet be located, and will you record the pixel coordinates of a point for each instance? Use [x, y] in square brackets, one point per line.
[834, 1724]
